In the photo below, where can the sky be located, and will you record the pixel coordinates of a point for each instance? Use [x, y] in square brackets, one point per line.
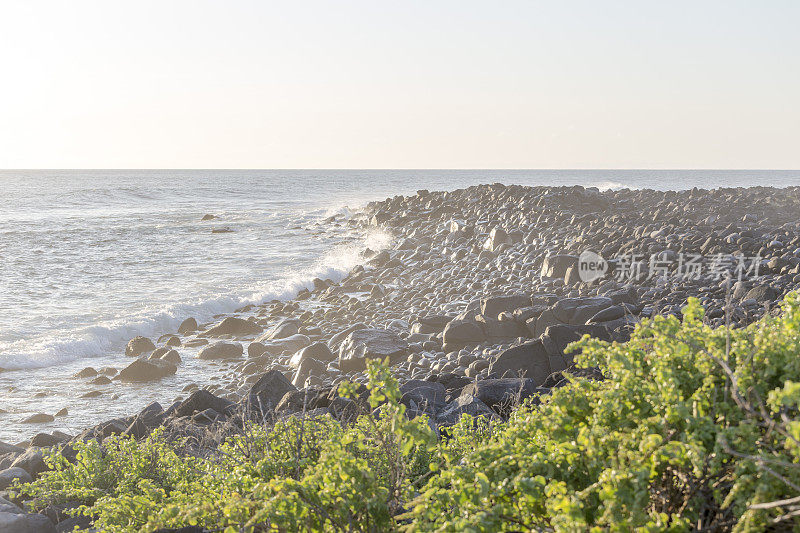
[412, 84]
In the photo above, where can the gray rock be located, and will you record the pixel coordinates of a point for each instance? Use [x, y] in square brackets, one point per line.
[221, 350]
[425, 396]
[268, 390]
[555, 266]
[318, 351]
[364, 344]
[188, 326]
[25, 523]
[141, 370]
[493, 306]
[10, 475]
[529, 360]
[308, 367]
[235, 327]
[285, 328]
[462, 405]
[202, 400]
[501, 394]
[139, 345]
[459, 333]
[32, 461]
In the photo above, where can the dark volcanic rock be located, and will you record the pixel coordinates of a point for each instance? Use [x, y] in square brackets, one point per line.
[501, 394]
[201, 400]
[268, 390]
[529, 360]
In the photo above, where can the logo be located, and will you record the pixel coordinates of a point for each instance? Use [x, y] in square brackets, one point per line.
[591, 266]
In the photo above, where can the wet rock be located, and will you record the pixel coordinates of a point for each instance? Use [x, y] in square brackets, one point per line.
[139, 345]
[235, 327]
[141, 370]
[87, 372]
[221, 350]
[188, 326]
[38, 418]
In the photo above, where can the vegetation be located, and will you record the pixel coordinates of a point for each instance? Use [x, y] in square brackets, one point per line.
[694, 429]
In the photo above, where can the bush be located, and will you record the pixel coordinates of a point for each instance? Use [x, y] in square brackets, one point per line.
[694, 429]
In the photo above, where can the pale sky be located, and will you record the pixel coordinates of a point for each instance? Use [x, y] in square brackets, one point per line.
[411, 84]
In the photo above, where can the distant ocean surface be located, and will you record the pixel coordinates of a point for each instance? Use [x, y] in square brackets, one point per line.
[93, 258]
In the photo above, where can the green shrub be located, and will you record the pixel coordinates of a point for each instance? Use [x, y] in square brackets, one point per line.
[694, 429]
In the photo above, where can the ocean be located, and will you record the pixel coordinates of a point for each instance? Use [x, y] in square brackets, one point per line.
[92, 258]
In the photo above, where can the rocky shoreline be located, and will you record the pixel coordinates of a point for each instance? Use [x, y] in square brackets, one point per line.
[473, 306]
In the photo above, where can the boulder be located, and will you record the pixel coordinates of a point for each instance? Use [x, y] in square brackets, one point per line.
[308, 367]
[188, 326]
[459, 333]
[469, 405]
[337, 339]
[426, 396]
[762, 294]
[497, 237]
[87, 372]
[235, 327]
[528, 360]
[285, 328]
[39, 418]
[579, 310]
[370, 343]
[9, 507]
[289, 344]
[31, 461]
[503, 329]
[141, 370]
[430, 324]
[221, 350]
[556, 338]
[491, 307]
[501, 394]
[139, 345]
[25, 523]
[318, 351]
[201, 400]
[556, 266]
[268, 390]
[10, 475]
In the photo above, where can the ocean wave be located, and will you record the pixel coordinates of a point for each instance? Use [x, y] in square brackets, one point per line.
[111, 336]
[612, 186]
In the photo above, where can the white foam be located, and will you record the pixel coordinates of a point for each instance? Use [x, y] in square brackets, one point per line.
[111, 336]
[612, 186]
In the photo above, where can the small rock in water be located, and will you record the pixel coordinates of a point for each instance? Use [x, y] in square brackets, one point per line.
[208, 216]
[38, 418]
[139, 345]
